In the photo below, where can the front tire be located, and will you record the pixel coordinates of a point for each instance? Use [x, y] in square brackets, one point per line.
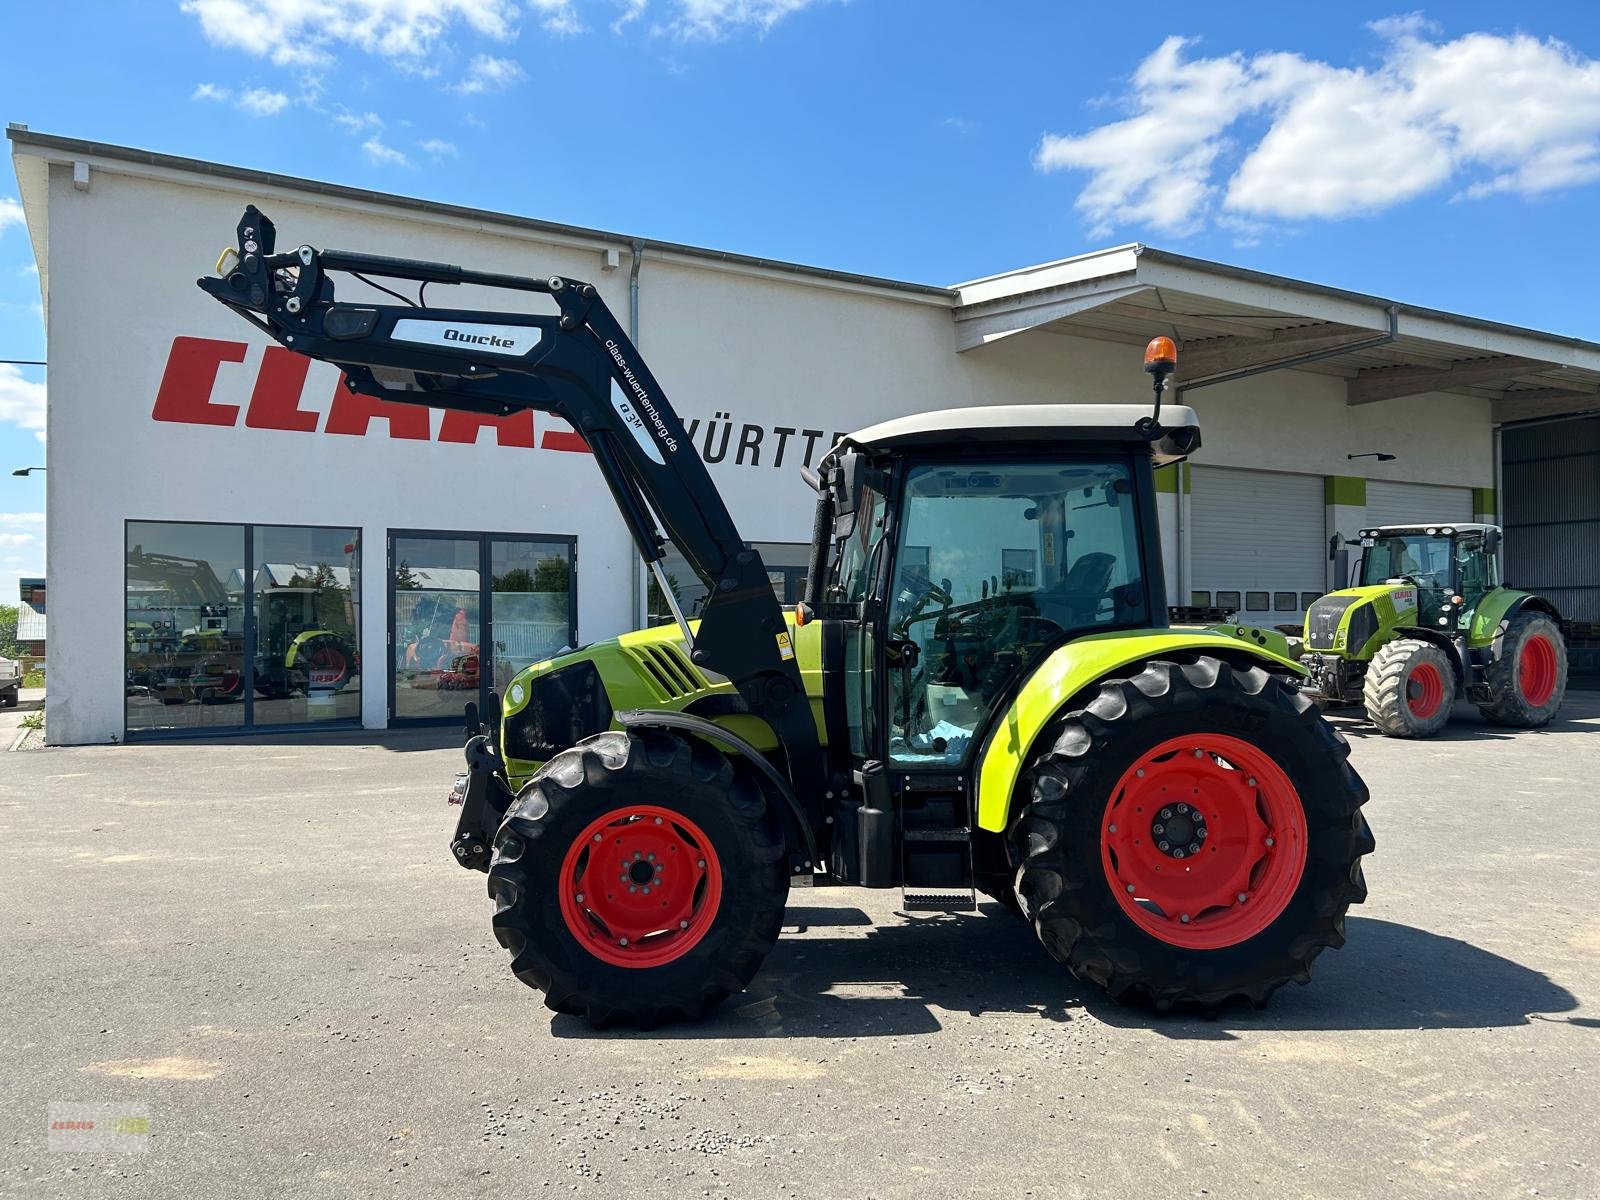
[1410, 689]
[639, 878]
[1233, 896]
[1528, 680]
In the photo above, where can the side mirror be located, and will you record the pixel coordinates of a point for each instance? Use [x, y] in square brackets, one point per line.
[1491, 541]
[1333, 546]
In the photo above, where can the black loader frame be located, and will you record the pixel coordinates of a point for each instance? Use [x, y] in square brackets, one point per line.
[578, 364]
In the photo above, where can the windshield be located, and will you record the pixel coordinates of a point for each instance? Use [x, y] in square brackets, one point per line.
[993, 564]
[1425, 561]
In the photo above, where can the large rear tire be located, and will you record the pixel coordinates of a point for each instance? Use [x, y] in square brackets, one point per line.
[1232, 896]
[639, 878]
[1410, 689]
[1528, 680]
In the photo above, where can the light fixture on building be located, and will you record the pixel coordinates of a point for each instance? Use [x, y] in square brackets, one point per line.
[1377, 454]
[26, 470]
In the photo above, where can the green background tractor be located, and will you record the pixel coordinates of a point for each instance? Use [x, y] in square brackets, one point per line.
[979, 691]
[1430, 623]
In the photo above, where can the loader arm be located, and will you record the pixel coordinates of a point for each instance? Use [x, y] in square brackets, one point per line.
[578, 364]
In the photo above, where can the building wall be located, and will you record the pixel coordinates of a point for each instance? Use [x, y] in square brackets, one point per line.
[745, 355]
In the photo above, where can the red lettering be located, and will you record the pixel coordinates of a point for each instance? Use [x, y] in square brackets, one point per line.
[351, 412]
[562, 439]
[275, 403]
[515, 430]
[185, 392]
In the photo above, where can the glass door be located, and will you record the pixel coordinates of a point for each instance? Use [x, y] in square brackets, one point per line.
[436, 597]
[531, 601]
[467, 611]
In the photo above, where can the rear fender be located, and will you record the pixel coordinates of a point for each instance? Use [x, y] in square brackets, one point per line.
[1064, 675]
[1497, 609]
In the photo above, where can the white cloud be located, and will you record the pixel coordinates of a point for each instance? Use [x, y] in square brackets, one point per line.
[10, 213]
[486, 73]
[21, 400]
[438, 148]
[383, 155]
[260, 102]
[1277, 136]
[558, 16]
[358, 122]
[299, 32]
[632, 10]
[713, 20]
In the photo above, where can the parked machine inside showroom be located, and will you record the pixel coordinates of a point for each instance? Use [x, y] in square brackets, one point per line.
[1431, 624]
[979, 691]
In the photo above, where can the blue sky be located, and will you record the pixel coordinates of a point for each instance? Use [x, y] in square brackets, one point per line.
[1444, 157]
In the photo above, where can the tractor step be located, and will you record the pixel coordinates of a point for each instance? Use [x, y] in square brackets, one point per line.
[911, 901]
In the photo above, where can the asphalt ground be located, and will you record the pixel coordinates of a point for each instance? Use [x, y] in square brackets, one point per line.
[258, 957]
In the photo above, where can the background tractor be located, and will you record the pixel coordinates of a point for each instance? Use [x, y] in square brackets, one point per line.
[979, 691]
[1431, 623]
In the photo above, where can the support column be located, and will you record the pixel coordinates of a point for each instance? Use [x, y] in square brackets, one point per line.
[1485, 505]
[1345, 503]
[1172, 510]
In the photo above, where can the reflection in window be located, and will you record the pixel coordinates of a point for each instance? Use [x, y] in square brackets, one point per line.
[1257, 602]
[435, 622]
[184, 626]
[1010, 558]
[530, 587]
[786, 569]
[307, 588]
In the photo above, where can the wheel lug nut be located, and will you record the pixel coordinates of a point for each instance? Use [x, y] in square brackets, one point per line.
[1111, 829]
[1194, 847]
[1271, 842]
[683, 924]
[580, 897]
[1158, 829]
[1183, 808]
[631, 888]
[1165, 846]
[701, 863]
[624, 941]
[649, 858]
[1251, 782]
[637, 856]
[1177, 853]
[1139, 773]
[1184, 918]
[597, 837]
[658, 820]
[1129, 889]
[1166, 814]
[1198, 754]
[1243, 896]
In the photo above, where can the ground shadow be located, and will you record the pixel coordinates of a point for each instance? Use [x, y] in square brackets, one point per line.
[1466, 725]
[400, 741]
[1390, 976]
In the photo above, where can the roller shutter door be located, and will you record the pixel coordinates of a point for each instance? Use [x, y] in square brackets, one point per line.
[1259, 534]
[1413, 503]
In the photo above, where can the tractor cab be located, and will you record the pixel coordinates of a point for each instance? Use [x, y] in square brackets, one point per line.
[1450, 566]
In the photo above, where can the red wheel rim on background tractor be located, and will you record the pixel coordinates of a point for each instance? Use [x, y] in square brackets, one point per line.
[1424, 690]
[1536, 670]
[640, 886]
[1204, 841]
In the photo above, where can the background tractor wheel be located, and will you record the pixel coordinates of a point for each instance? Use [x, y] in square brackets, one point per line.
[1528, 680]
[327, 661]
[1410, 689]
[1191, 835]
[639, 877]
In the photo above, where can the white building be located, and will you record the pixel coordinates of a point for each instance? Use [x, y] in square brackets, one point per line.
[439, 552]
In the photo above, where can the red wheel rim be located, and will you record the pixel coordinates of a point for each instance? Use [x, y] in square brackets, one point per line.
[640, 886]
[1246, 847]
[1424, 690]
[1536, 670]
[328, 665]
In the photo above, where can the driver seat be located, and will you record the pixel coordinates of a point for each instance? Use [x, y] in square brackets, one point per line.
[1076, 600]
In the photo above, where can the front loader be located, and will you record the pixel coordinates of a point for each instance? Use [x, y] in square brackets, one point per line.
[1429, 624]
[978, 693]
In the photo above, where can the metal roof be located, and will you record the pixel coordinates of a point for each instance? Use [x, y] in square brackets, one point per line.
[1231, 321]
[75, 149]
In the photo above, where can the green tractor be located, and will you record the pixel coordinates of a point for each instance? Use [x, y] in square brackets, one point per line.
[1429, 624]
[978, 693]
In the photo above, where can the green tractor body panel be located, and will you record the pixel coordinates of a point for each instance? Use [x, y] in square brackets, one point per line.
[1065, 673]
[649, 669]
[1490, 611]
[1269, 640]
[1368, 619]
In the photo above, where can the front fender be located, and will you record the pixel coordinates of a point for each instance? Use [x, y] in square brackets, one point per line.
[1065, 673]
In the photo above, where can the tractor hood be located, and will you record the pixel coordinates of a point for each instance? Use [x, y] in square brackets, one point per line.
[556, 703]
[1346, 621]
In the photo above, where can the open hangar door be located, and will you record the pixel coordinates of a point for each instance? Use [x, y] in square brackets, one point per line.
[1258, 544]
[1391, 503]
[1550, 474]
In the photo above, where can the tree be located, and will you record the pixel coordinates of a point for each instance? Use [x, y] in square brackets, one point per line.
[552, 575]
[8, 630]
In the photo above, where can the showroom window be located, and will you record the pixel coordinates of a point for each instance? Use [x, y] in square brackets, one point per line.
[786, 569]
[233, 627]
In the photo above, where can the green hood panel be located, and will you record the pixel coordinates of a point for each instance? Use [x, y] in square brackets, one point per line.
[650, 668]
[1389, 605]
[1065, 673]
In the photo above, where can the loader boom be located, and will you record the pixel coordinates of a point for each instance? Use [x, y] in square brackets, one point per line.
[578, 364]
